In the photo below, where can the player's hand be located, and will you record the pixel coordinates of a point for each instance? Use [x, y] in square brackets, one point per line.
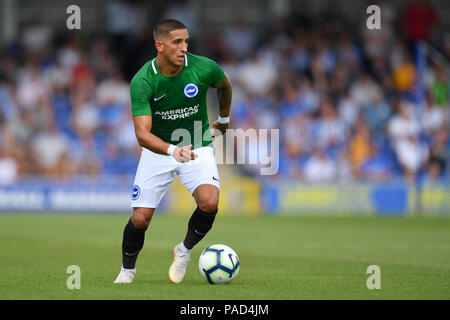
[184, 154]
[222, 127]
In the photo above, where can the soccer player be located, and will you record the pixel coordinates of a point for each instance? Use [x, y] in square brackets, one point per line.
[168, 103]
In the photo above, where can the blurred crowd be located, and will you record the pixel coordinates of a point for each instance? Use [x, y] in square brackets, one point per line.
[345, 99]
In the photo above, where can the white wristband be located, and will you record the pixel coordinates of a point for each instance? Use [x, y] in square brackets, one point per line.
[170, 149]
[223, 119]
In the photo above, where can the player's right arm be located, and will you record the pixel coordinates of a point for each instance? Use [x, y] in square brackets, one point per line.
[142, 127]
[141, 92]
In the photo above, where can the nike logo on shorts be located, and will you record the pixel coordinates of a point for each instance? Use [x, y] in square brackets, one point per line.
[214, 178]
[156, 99]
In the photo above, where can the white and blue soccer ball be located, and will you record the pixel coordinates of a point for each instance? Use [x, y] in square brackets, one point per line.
[219, 264]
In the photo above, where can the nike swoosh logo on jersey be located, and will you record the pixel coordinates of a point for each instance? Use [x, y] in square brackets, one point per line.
[156, 99]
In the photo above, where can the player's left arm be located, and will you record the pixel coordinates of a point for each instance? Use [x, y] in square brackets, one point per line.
[224, 94]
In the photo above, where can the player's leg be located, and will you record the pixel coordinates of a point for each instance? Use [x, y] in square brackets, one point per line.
[134, 235]
[153, 177]
[207, 198]
[201, 221]
[201, 178]
[133, 242]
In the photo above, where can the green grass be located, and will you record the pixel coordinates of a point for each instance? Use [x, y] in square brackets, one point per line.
[281, 257]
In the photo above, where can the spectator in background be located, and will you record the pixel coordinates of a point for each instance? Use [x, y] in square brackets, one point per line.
[82, 76]
[359, 146]
[331, 130]
[257, 68]
[9, 168]
[404, 130]
[411, 155]
[33, 88]
[297, 136]
[377, 167]
[338, 83]
[85, 116]
[125, 137]
[439, 148]
[299, 57]
[364, 90]
[86, 123]
[348, 52]
[69, 54]
[403, 124]
[8, 165]
[52, 153]
[348, 109]
[404, 76]
[113, 90]
[344, 167]
[320, 168]
[8, 105]
[36, 37]
[376, 114]
[432, 117]
[240, 39]
[289, 105]
[101, 58]
[308, 97]
[440, 87]
[433, 176]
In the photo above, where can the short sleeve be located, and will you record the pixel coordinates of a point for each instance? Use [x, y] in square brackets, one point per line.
[140, 93]
[215, 73]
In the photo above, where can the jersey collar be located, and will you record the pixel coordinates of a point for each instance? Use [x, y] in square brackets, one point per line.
[154, 63]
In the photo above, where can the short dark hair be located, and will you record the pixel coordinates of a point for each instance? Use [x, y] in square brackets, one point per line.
[163, 28]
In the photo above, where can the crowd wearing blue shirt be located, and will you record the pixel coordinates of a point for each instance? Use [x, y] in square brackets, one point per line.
[341, 104]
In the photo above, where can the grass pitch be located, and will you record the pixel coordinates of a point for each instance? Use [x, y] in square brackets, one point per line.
[281, 257]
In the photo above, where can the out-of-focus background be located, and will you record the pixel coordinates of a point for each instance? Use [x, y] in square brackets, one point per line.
[362, 114]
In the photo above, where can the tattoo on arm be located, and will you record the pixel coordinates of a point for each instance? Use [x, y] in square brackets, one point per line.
[224, 97]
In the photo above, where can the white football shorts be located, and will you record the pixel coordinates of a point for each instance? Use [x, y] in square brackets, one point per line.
[155, 173]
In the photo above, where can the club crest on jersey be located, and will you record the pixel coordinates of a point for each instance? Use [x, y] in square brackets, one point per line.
[136, 192]
[190, 90]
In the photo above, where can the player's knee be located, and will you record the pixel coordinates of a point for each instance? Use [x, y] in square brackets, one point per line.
[208, 204]
[141, 219]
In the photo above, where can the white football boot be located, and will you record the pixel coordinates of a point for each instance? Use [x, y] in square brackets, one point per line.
[125, 276]
[180, 261]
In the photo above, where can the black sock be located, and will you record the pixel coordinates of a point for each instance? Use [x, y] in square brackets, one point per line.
[199, 225]
[133, 241]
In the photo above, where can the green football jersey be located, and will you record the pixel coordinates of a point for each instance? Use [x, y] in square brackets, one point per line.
[177, 104]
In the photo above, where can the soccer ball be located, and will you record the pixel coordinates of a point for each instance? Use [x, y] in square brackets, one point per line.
[218, 264]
